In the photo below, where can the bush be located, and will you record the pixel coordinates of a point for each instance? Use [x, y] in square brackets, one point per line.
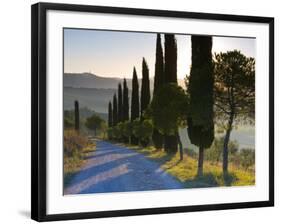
[110, 133]
[127, 129]
[247, 158]
[214, 153]
[143, 130]
[244, 158]
[73, 142]
[116, 132]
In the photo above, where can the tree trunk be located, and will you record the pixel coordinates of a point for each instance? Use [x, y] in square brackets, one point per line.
[200, 161]
[180, 146]
[225, 145]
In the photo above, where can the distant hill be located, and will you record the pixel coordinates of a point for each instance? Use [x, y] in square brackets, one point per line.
[89, 80]
[92, 98]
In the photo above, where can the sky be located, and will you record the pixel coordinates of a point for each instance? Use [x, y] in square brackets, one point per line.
[115, 53]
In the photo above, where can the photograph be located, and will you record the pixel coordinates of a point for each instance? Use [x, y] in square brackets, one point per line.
[148, 111]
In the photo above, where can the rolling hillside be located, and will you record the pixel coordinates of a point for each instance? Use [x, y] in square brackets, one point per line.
[89, 80]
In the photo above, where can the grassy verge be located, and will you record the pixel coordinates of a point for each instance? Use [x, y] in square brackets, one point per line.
[186, 170]
[76, 148]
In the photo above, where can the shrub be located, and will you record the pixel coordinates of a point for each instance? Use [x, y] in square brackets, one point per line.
[143, 130]
[73, 142]
[127, 129]
[214, 153]
[247, 158]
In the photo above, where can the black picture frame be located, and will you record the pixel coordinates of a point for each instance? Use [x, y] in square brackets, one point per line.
[39, 123]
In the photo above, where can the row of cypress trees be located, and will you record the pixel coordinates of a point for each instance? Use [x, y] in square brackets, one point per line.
[119, 112]
[200, 91]
[165, 72]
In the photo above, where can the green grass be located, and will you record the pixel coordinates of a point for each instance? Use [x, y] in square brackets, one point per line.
[186, 170]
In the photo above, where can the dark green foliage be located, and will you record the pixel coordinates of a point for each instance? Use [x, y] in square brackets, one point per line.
[159, 65]
[94, 123]
[115, 111]
[125, 107]
[170, 58]
[145, 90]
[116, 132]
[234, 93]
[200, 89]
[125, 101]
[168, 112]
[157, 137]
[142, 130]
[135, 105]
[120, 103]
[200, 136]
[168, 109]
[76, 117]
[110, 121]
[170, 76]
[127, 129]
[110, 133]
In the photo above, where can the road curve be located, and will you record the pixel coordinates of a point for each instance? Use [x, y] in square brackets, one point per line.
[113, 168]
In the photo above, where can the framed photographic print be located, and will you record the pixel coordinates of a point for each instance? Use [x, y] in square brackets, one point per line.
[139, 111]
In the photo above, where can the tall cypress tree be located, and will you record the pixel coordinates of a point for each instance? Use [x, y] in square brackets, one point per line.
[76, 111]
[120, 103]
[170, 74]
[145, 90]
[125, 105]
[157, 137]
[115, 111]
[170, 58]
[135, 107]
[200, 87]
[125, 101]
[110, 114]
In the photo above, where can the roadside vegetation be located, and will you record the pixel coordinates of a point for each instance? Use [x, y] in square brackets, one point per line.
[77, 145]
[241, 167]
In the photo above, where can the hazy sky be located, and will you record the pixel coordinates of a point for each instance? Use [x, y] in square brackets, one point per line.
[114, 54]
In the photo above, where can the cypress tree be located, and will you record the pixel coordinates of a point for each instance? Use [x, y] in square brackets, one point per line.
[120, 103]
[135, 107]
[115, 111]
[200, 87]
[170, 76]
[145, 94]
[157, 137]
[170, 58]
[125, 104]
[145, 90]
[125, 101]
[110, 114]
[76, 115]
